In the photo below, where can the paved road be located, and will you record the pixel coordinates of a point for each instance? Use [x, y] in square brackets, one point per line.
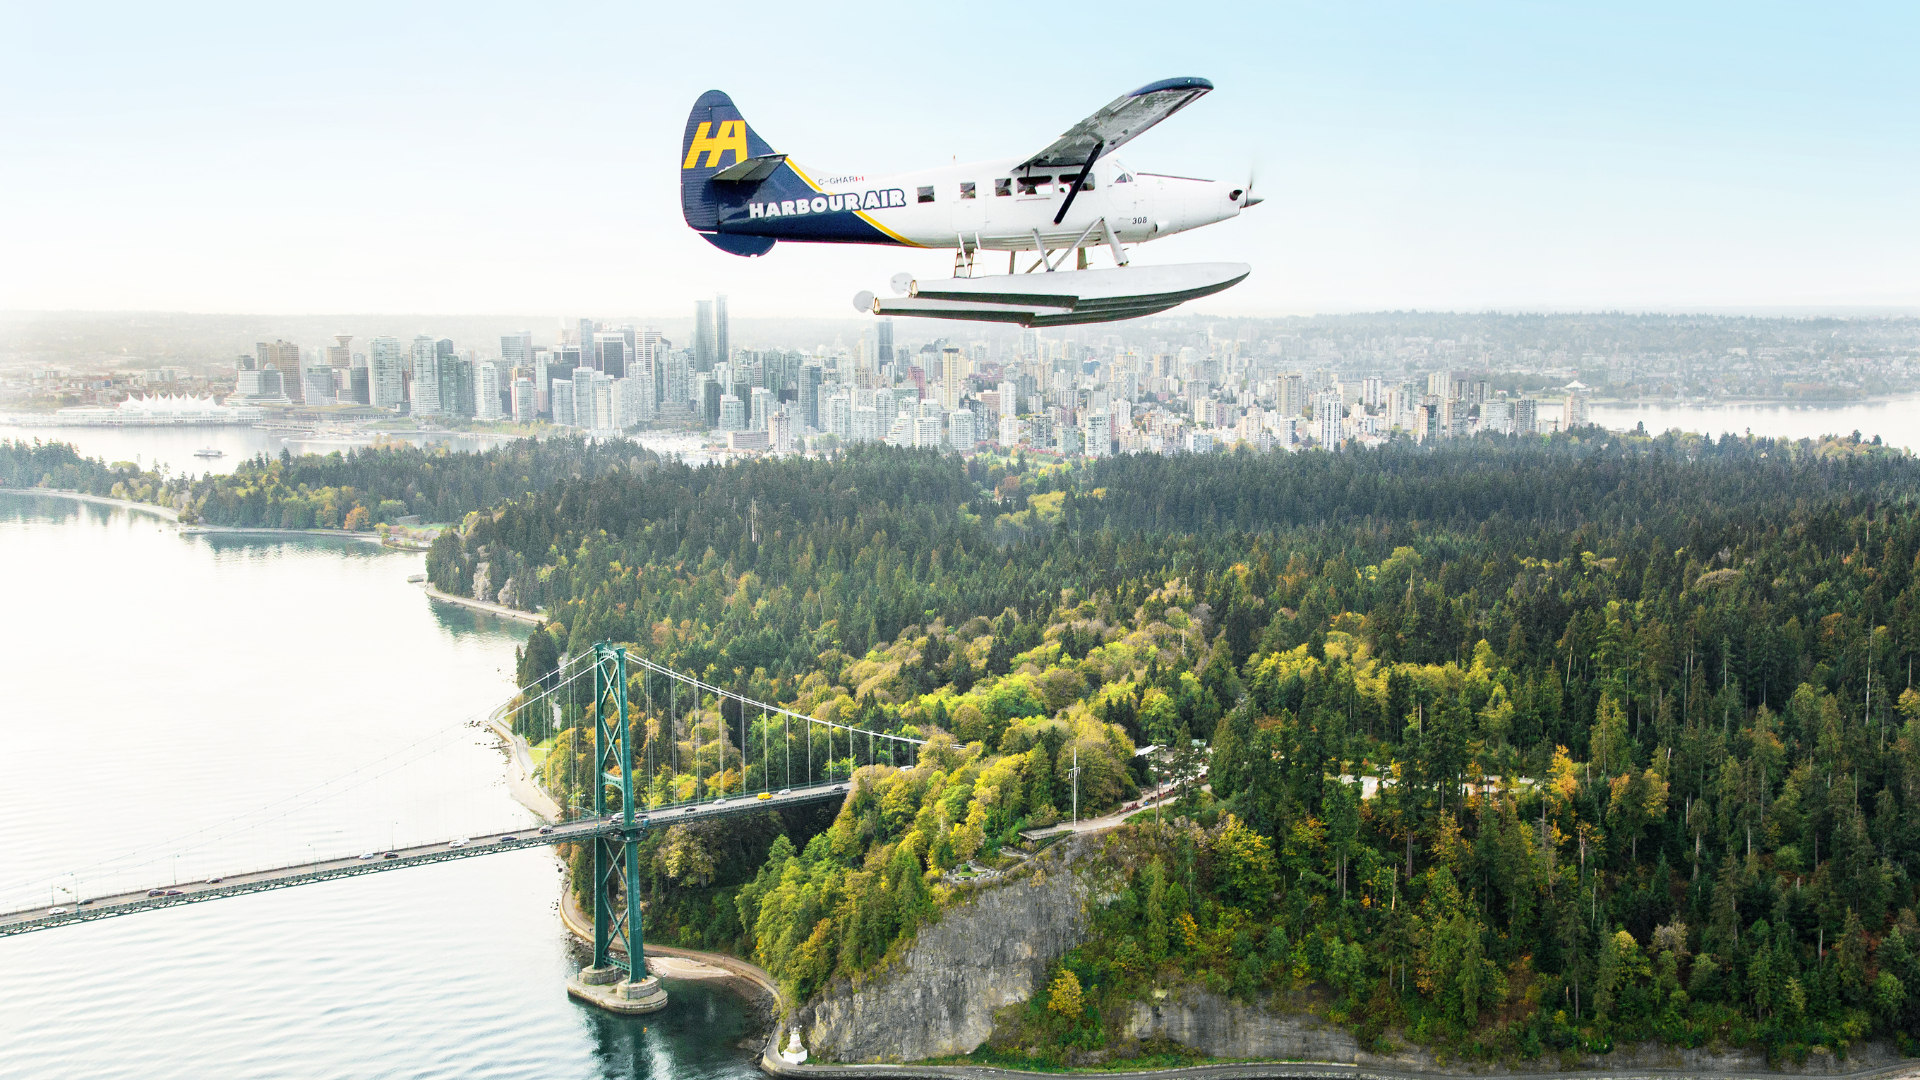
[282, 877]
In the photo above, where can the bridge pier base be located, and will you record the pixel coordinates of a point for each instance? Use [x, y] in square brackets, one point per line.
[625, 997]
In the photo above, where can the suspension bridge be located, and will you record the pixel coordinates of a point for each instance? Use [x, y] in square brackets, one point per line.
[642, 746]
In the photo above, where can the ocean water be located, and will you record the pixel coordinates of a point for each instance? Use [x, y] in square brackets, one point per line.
[1895, 419]
[157, 691]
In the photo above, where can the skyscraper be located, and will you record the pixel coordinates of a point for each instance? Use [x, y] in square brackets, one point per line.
[703, 344]
[426, 377]
[522, 400]
[340, 353]
[316, 385]
[486, 402]
[610, 353]
[1326, 419]
[953, 377]
[283, 355]
[883, 351]
[723, 348]
[810, 378]
[517, 349]
[389, 364]
[960, 430]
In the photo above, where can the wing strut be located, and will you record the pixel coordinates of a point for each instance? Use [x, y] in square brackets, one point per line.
[1078, 180]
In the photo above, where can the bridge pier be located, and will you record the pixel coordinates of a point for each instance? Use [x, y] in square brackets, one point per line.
[622, 986]
[610, 989]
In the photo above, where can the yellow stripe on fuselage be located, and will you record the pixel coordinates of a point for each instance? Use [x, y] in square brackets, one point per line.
[802, 174]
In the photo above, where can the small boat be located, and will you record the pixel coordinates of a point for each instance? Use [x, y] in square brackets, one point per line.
[209, 452]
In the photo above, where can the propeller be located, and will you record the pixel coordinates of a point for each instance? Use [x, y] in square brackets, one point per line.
[1253, 174]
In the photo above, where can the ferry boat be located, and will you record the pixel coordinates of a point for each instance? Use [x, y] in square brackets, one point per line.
[209, 452]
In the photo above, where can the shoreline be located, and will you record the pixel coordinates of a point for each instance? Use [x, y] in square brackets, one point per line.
[531, 617]
[246, 530]
[101, 500]
[526, 790]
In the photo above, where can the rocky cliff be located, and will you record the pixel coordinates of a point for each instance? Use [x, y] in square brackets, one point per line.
[989, 950]
[1221, 1028]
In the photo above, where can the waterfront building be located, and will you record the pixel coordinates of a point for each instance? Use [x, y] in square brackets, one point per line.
[388, 363]
[426, 377]
[523, 412]
[733, 413]
[257, 386]
[163, 410]
[487, 395]
[560, 402]
[781, 426]
[1573, 411]
[1526, 416]
[316, 385]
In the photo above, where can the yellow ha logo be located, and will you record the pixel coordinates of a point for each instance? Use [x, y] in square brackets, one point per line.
[732, 136]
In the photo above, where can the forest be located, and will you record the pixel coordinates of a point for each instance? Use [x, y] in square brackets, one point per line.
[355, 490]
[1513, 747]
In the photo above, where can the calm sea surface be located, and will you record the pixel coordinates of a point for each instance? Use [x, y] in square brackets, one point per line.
[155, 687]
[174, 446]
[1895, 419]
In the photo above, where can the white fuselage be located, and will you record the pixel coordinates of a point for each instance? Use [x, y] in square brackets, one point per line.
[991, 205]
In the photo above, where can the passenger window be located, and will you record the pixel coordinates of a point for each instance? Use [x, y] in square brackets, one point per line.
[966, 189]
[926, 194]
[1003, 187]
[1031, 185]
[1088, 186]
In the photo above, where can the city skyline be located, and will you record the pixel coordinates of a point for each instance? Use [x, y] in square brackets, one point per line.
[1471, 158]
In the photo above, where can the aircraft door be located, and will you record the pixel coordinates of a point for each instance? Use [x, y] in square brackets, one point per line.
[969, 215]
[1129, 210]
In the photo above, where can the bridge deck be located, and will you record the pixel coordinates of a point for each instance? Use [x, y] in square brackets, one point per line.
[102, 907]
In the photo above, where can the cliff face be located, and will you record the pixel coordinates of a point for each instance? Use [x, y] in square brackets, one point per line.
[988, 951]
[1218, 1027]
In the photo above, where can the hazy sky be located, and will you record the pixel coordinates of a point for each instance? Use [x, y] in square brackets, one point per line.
[479, 158]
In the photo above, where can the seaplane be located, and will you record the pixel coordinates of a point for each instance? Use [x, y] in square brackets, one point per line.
[1073, 196]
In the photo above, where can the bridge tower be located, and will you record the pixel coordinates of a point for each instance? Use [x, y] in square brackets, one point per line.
[616, 982]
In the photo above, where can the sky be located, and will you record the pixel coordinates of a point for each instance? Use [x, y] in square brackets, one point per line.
[492, 159]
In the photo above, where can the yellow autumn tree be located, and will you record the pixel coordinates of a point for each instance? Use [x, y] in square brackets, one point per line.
[1065, 996]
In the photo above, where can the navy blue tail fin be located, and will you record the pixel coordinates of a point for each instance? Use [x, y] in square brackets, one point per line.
[717, 138]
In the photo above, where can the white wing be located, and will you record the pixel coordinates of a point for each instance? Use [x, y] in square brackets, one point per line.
[1119, 122]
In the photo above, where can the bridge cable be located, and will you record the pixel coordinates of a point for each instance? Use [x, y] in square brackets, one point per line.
[169, 846]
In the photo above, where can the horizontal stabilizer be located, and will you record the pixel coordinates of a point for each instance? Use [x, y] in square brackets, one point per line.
[751, 171]
[1064, 298]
